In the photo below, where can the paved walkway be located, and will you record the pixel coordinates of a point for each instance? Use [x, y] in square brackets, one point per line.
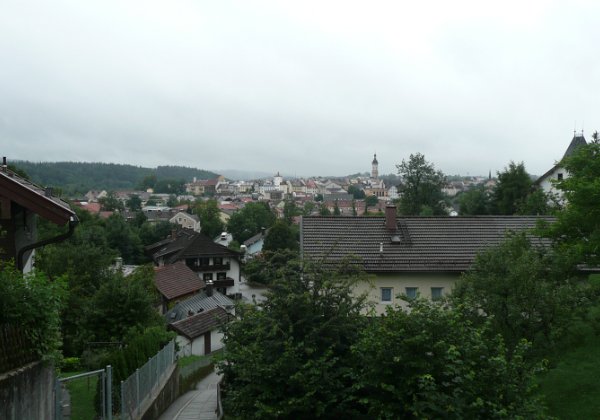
[199, 404]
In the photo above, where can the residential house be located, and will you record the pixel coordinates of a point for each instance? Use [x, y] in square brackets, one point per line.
[197, 320]
[254, 245]
[558, 171]
[175, 282]
[21, 202]
[186, 220]
[406, 255]
[210, 261]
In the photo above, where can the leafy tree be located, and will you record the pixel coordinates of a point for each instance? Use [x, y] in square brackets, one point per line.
[172, 201]
[474, 202]
[111, 202]
[210, 217]
[356, 192]
[319, 197]
[149, 181]
[290, 210]
[281, 236]
[120, 236]
[121, 303]
[134, 203]
[308, 208]
[514, 184]
[250, 220]
[170, 186]
[576, 232]
[150, 233]
[324, 211]
[336, 209]
[522, 291]
[290, 358]
[421, 186]
[269, 266]
[432, 362]
[33, 303]
[538, 202]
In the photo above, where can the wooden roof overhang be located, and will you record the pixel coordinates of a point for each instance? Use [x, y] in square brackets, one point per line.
[34, 199]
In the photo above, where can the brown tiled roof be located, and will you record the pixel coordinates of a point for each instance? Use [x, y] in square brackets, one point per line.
[35, 198]
[203, 322]
[175, 280]
[423, 244]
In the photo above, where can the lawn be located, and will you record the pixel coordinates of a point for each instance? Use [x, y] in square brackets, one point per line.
[83, 392]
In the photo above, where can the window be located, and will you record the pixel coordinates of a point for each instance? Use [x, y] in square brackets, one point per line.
[436, 293]
[218, 261]
[207, 276]
[386, 294]
[560, 176]
[221, 276]
[411, 292]
[204, 261]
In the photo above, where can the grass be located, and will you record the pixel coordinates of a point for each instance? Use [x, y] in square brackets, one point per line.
[571, 386]
[83, 392]
[188, 360]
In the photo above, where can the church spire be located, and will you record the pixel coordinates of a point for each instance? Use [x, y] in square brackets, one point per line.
[374, 167]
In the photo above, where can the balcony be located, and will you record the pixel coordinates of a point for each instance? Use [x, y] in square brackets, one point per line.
[214, 267]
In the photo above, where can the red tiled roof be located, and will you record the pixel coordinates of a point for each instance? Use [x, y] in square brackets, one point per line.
[196, 325]
[175, 280]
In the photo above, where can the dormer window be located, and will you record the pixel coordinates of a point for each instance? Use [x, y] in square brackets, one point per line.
[559, 176]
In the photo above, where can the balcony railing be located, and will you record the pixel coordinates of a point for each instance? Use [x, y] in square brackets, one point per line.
[214, 267]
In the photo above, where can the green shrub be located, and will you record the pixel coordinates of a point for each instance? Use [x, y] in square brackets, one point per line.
[71, 364]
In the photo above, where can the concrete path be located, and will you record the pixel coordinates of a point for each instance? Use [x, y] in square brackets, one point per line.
[199, 404]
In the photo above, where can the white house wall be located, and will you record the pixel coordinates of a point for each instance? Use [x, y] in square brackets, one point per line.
[399, 283]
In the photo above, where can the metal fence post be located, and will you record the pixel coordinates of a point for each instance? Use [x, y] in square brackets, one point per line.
[123, 402]
[57, 400]
[137, 390]
[109, 391]
[103, 377]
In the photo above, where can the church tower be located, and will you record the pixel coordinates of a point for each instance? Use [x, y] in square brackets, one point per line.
[374, 167]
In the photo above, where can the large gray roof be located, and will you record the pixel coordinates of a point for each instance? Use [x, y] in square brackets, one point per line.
[423, 244]
[197, 304]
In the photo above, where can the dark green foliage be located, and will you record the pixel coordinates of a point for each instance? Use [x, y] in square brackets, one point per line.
[111, 202]
[356, 192]
[210, 218]
[169, 186]
[538, 202]
[523, 291]
[336, 209]
[514, 184]
[121, 303]
[421, 186]
[290, 210]
[432, 362]
[33, 303]
[249, 221]
[272, 265]
[576, 233]
[80, 177]
[281, 236]
[474, 202]
[122, 237]
[134, 203]
[290, 359]
[324, 211]
[139, 346]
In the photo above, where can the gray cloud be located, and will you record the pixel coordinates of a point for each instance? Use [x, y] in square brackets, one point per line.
[305, 88]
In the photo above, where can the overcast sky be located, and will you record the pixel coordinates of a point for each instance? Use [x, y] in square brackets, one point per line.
[301, 87]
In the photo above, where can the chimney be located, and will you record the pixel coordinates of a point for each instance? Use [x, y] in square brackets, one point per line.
[119, 263]
[173, 234]
[209, 288]
[4, 165]
[48, 191]
[390, 218]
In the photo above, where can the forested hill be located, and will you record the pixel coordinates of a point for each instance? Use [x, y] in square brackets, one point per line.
[80, 177]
